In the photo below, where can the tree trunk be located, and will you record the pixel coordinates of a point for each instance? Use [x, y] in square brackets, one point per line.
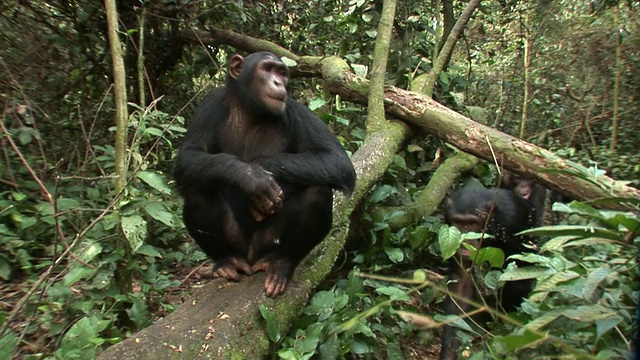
[122, 272]
[526, 60]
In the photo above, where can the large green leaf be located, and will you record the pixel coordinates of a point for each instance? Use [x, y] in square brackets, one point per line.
[155, 180]
[134, 228]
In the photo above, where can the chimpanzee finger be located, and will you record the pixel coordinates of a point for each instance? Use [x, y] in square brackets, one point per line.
[226, 272]
[262, 208]
[257, 215]
[276, 196]
[228, 268]
[244, 267]
[275, 284]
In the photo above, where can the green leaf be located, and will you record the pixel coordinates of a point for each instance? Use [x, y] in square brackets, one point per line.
[134, 228]
[153, 131]
[394, 352]
[382, 192]
[589, 313]
[515, 342]
[102, 279]
[551, 283]
[273, 331]
[148, 250]
[393, 293]
[396, 255]
[88, 250]
[159, 212]
[78, 339]
[5, 269]
[64, 204]
[360, 70]
[449, 238]
[360, 347]
[316, 104]
[308, 344]
[138, 312]
[25, 136]
[514, 273]
[494, 256]
[288, 62]
[545, 319]
[608, 323]
[492, 279]
[8, 344]
[76, 274]
[594, 279]
[574, 230]
[322, 304]
[288, 354]
[18, 196]
[155, 180]
[330, 349]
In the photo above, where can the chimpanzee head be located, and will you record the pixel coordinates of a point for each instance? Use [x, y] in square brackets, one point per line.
[522, 187]
[259, 82]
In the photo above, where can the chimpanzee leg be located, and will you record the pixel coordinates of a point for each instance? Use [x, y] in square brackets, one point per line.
[287, 237]
[212, 224]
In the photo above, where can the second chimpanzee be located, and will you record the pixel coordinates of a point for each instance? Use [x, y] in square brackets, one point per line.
[534, 194]
[256, 171]
[501, 213]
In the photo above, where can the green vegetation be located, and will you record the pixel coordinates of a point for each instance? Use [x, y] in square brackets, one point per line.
[85, 264]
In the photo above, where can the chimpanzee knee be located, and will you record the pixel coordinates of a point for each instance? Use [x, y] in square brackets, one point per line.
[308, 215]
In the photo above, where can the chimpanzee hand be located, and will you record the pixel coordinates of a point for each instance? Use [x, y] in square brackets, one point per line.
[263, 191]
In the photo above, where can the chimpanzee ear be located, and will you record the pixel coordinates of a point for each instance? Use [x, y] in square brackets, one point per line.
[235, 66]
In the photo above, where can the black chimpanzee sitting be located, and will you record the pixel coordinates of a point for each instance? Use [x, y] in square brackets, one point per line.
[498, 212]
[256, 171]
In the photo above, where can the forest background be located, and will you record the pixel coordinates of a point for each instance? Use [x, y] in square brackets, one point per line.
[93, 248]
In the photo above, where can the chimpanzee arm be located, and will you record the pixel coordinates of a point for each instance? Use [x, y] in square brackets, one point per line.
[199, 164]
[319, 159]
[206, 172]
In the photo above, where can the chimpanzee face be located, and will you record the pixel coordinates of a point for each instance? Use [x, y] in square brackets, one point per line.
[524, 189]
[270, 81]
[260, 82]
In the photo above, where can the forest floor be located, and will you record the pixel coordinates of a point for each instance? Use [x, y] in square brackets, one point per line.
[38, 338]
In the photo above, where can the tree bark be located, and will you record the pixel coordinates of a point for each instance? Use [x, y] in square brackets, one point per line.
[122, 272]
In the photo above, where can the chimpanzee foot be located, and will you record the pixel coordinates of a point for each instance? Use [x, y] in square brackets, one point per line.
[230, 267]
[278, 271]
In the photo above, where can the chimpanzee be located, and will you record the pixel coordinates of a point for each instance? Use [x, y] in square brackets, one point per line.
[498, 212]
[534, 194]
[256, 171]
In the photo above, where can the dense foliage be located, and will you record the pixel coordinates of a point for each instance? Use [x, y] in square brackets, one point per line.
[60, 214]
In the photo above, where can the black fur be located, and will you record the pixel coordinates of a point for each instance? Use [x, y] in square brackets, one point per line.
[257, 181]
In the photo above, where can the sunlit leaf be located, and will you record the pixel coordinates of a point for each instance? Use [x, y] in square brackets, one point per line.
[449, 238]
[134, 228]
[159, 212]
[155, 180]
[515, 342]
